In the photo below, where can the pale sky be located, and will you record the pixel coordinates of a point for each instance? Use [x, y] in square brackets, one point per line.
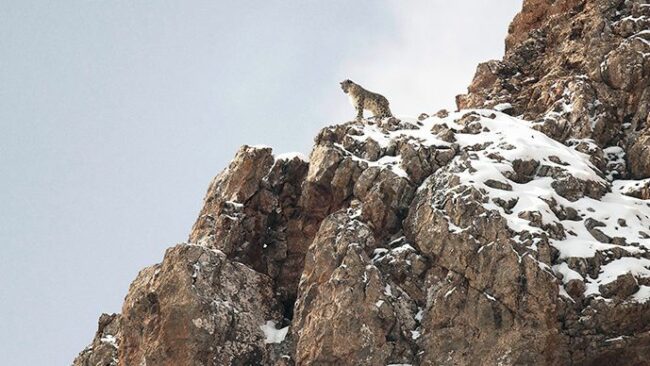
[115, 115]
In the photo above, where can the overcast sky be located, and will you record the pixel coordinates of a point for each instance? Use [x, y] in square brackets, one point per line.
[115, 115]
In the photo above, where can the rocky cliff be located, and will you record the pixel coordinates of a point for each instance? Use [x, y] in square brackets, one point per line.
[515, 231]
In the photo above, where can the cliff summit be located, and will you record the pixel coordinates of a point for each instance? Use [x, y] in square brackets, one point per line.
[515, 231]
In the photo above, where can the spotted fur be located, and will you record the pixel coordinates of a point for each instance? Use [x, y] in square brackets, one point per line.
[362, 99]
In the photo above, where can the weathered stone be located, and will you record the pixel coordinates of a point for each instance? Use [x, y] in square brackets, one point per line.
[104, 348]
[251, 213]
[498, 185]
[575, 288]
[338, 316]
[197, 308]
[579, 68]
[423, 241]
[639, 157]
[622, 287]
[523, 170]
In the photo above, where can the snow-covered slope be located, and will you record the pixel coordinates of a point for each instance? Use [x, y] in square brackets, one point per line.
[564, 196]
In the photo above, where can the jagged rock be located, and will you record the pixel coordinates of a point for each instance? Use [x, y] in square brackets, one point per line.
[474, 246]
[498, 185]
[465, 238]
[417, 270]
[637, 189]
[251, 213]
[456, 308]
[442, 113]
[622, 287]
[575, 288]
[639, 157]
[103, 349]
[337, 318]
[197, 308]
[625, 67]
[523, 171]
[579, 68]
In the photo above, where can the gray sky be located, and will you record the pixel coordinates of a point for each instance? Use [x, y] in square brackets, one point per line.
[115, 115]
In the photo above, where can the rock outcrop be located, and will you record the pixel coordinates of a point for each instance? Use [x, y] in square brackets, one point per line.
[103, 349]
[578, 69]
[515, 231]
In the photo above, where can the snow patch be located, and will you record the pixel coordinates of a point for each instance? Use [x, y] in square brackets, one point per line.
[419, 314]
[272, 334]
[291, 156]
[388, 291]
[623, 221]
[643, 295]
[448, 293]
[415, 334]
[502, 107]
[109, 339]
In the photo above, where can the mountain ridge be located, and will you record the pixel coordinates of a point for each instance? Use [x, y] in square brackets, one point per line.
[513, 231]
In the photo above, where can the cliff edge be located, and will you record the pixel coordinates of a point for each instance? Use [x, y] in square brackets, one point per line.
[515, 231]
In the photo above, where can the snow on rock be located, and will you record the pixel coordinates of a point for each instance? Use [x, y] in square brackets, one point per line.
[291, 156]
[544, 189]
[260, 146]
[503, 107]
[272, 334]
[465, 238]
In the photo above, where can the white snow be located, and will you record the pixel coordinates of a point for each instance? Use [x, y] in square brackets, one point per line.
[291, 156]
[564, 294]
[273, 335]
[260, 146]
[615, 339]
[378, 254]
[109, 339]
[506, 132]
[419, 137]
[511, 139]
[643, 295]
[386, 162]
[627, 186]
[448, 293]
[639, 267]
[388, 291]
[374, 133]
[403, 248]
[197, 269]
[422, 134]
[235, 204]
[615, 155]
[419, 314]
[567, 273]
[502, 107]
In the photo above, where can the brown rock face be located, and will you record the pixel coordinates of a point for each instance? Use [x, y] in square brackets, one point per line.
[483, 283]
[580, 69]
[197, 308]
[251, 213]
[464, 238]
[639, 157]
[336, 305]
[103, 350]
[621, 288]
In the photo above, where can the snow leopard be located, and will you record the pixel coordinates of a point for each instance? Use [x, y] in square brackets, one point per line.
[362, 99]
